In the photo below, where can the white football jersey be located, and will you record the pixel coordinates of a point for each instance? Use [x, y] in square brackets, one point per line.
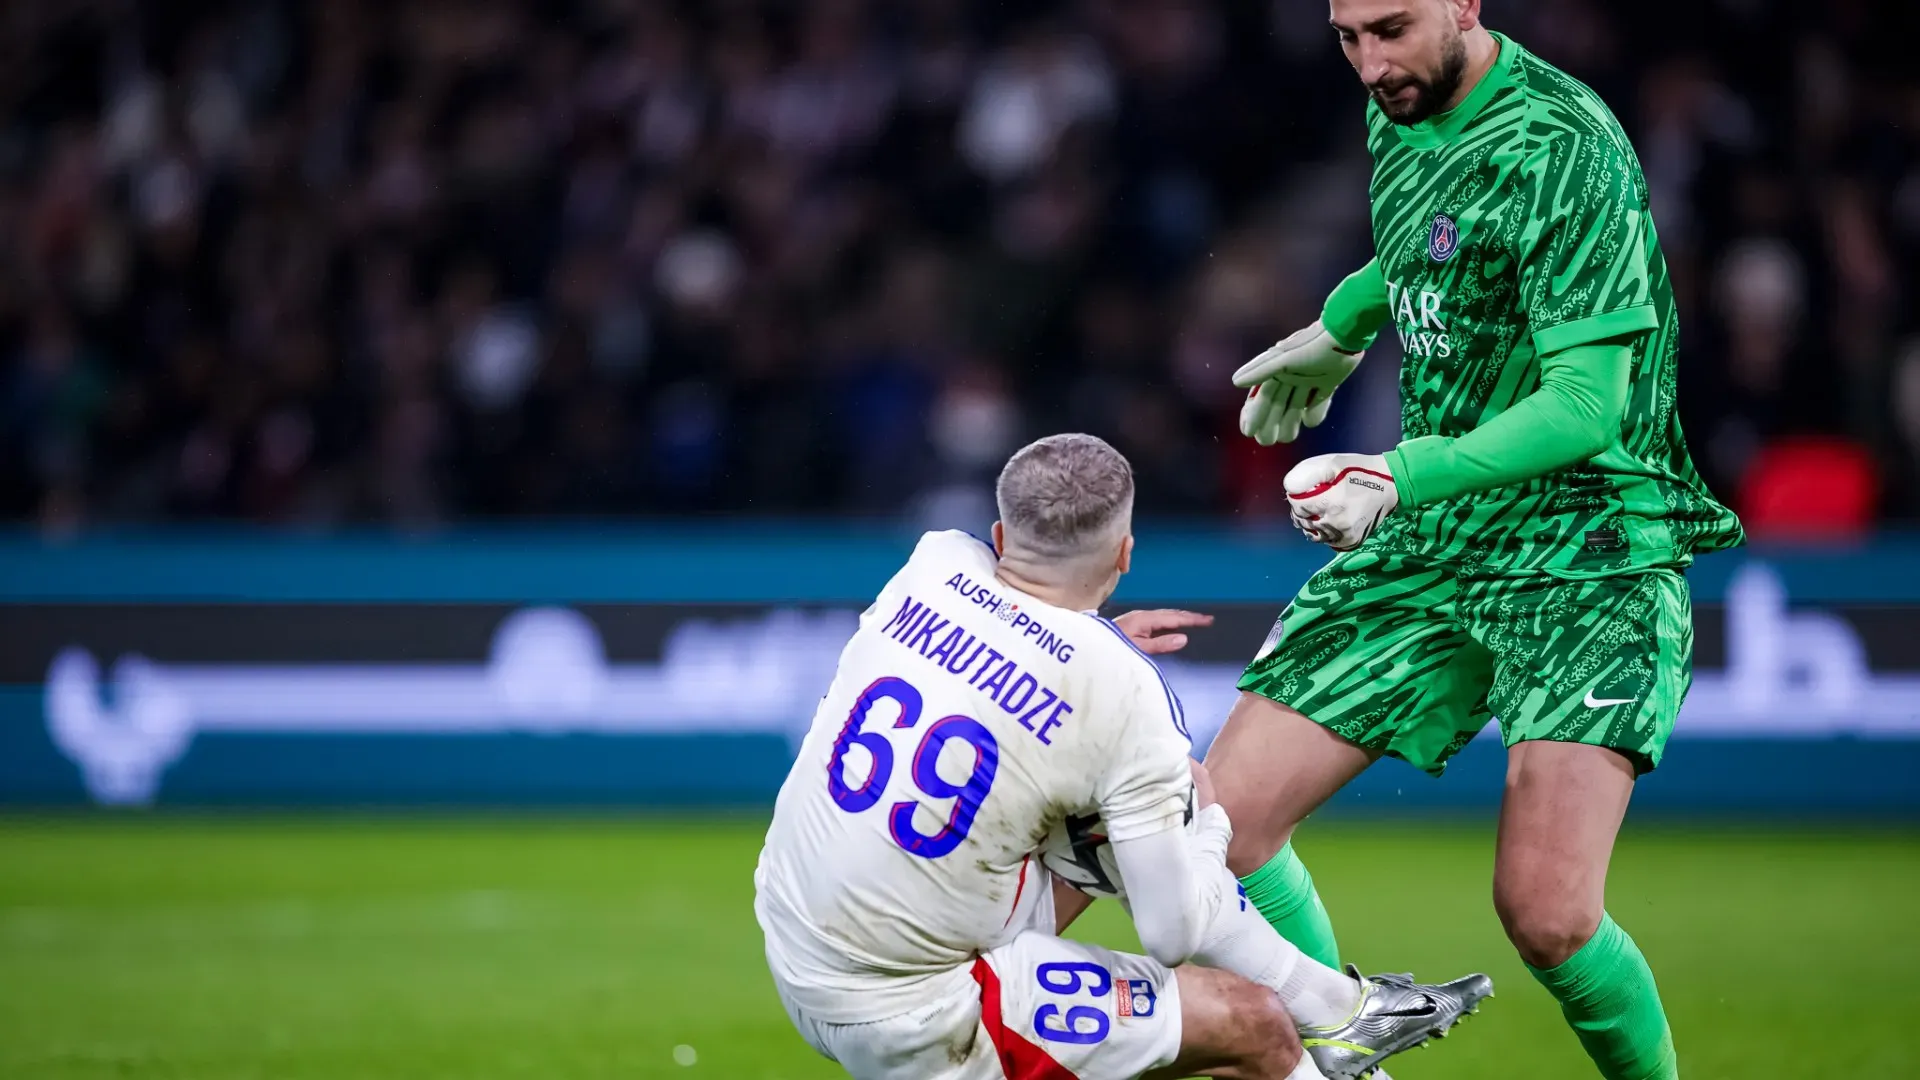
[966, 720]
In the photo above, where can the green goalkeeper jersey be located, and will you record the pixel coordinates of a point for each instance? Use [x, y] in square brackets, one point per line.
[1511, 228]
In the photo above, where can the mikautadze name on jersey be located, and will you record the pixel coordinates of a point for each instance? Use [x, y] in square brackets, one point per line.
[1417, 319]
[940, 640]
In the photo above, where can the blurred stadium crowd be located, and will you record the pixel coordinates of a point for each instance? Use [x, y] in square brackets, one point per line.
[423, 260]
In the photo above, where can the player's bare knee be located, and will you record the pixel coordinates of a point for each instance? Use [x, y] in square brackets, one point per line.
[1279, 1033]
[1546, 921]
[1235, 1029]
[1250, 850]
[1268, 1041]
[1546, 933]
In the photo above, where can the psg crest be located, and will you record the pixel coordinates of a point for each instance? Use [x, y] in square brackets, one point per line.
[1443, 239]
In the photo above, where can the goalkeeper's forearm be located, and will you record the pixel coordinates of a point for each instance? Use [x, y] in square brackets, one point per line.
[1356, 308]
[1574, 415]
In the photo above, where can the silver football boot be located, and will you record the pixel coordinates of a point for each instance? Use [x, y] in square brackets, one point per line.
[1395, 1013]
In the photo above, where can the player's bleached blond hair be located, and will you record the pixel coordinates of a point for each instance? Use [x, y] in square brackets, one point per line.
[1065, 497]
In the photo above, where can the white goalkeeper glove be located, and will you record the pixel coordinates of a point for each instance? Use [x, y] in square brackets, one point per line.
[1292, 384]
[1339, 499]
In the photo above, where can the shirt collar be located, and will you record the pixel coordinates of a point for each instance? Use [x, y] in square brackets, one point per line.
[1440, 130]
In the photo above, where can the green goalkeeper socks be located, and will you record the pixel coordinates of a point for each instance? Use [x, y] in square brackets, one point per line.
[1606, 992]
[1282, 891]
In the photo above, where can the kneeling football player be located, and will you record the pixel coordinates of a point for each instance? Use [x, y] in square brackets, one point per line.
[911, 929]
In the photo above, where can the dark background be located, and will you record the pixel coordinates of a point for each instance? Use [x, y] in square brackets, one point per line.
[300, 634]
[325, 323]
[420, 261]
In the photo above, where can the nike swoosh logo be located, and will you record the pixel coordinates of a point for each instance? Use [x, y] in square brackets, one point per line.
[1603, 702]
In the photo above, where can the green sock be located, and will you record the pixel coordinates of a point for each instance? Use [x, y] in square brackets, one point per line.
[1606, 992]
[1282, 891]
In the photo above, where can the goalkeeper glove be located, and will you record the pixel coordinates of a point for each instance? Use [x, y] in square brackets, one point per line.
[1339, 499]
[1292, 384]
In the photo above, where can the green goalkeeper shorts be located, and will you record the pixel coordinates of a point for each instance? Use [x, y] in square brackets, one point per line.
[1401, 656]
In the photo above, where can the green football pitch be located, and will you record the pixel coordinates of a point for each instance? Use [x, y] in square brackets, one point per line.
[411, 949]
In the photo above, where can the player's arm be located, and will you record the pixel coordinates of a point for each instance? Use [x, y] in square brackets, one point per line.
[1145, 794]
[1291, 385]
[1583, 260]
[1070, 903]
[1574, 415]
[1167, 878]
[1583, 255]
[1357, 308]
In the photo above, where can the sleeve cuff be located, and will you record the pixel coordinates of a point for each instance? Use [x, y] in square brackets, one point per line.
[1348, 339]
[1601, 327]
[1414, 460]
[1151, 821]
[1355, 309]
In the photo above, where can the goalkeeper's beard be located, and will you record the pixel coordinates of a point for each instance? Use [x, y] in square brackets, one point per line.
[1434, 93]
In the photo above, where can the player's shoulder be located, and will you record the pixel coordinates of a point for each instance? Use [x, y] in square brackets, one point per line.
[1557, 100]
[951, 551]
[1565, 115]
[1121, 667]
[954, 558]
[1572, 139]
[951, 543]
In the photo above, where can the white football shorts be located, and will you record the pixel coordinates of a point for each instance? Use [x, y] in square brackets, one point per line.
[1037, 1008]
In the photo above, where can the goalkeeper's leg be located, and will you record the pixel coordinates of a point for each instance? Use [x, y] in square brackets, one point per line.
[1592, 675]
[1563, 806]
[1348, 1025]
[1271, 767]
[1240, 940]
[1367, 659]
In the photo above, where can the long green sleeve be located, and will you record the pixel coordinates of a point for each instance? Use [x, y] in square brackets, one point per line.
[1574, 415]
[1356, 308]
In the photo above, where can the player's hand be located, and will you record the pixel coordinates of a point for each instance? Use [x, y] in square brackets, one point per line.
[1211, 832]
[1202, 786]
[1150, 630]
[1292, 384]
[1339, 499]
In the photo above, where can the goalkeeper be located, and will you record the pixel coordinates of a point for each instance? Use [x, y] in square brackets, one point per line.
[1520, 553]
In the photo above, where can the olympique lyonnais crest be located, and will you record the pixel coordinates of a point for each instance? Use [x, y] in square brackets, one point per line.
[1133, 997]
[1443, 239]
